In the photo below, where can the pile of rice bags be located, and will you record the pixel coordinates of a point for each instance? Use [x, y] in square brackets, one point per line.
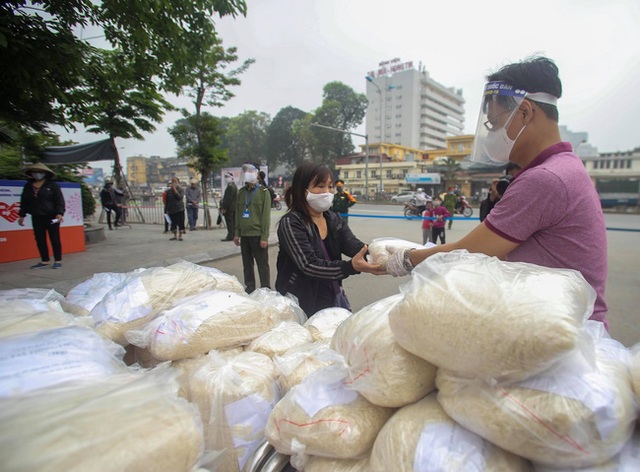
[235, 397]
[479, 316]
[121, 422]
[81, 299]
[323, 324]
[421, 437]
[381, 248]
[579, 413]
[300, 362]
[321, 417]
[327, 464]
[210, 320]
[224, 281]
[138, 299]
[41, 359]
[379, 369]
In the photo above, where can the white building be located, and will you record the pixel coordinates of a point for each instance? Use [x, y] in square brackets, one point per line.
[416, 112]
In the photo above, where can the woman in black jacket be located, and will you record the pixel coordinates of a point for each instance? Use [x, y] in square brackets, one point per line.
[312, 240]
[42, 199]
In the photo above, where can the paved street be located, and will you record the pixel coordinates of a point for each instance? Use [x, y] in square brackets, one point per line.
[146, 246]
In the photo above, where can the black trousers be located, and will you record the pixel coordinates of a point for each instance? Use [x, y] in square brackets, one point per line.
[177, 221]
[230, 221]
[435, 232]
[41, 226]
[250, 249]
[116, 211]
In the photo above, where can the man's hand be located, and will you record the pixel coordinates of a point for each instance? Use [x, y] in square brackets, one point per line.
[21, 221]
[360, 264]
[396, 264]
[59, 218]
[264, 244]
[236, 240]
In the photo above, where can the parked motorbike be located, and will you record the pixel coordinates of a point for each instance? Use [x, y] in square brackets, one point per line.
[463, 207]
[275, 203]
[412, 210]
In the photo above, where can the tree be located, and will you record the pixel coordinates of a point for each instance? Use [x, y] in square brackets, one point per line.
[281, 138]
[341, 108]
[42, 59]
[208, 84]
[246, 137]
[450, 167]
[118, 102]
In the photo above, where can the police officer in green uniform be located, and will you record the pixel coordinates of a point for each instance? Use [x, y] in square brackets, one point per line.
[342, 200]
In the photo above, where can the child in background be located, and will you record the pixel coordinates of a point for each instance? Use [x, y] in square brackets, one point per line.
[440, 212]
[427, 223]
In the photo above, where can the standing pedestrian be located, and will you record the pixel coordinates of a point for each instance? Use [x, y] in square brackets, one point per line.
[427, 223]
[342, 201]
[440, 213]
[109, 204]
[228, 205]
[450, 202]
[42, 198]
[122, 202]
[193, 195]
[164, 208]
[175, 209]
[253, 219]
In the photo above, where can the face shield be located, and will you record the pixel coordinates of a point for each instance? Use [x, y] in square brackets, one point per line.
[500, 102]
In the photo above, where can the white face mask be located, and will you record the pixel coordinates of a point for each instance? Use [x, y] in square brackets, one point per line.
[228, 180]
[38, 175]
[320, 201]
[250, 177]
[497, 145]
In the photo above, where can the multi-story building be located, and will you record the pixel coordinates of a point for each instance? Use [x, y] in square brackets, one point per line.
[616, 176]
[156, 171]
[408, 108]
[137, 171]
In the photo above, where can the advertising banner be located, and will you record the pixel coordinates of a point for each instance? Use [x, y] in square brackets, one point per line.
[17, 242]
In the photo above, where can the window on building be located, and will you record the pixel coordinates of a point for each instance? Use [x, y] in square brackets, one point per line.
[373, 174]
[608, 164]
[615, 163]
[346, 174]
[389, 174]
[358, 174]
[628, 163]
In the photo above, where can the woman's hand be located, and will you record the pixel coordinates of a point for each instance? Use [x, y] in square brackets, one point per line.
[361, 265]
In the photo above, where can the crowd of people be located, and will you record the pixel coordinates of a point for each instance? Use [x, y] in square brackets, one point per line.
[526, 216]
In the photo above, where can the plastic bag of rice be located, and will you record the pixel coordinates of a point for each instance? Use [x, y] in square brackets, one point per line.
[379, 369]
[580, 413]
[235, 397]
[81, 299]
[224, 281]
[20, 316]
[203, 322]
[300, 362]
[634, 369]
[507, 320]
[422, 437]
[280, 339]
[122, 422]
[381, 248]
[321, 417]
[286, 306]
[138, 299]
[323, 324]
[326, 464]
[41, 359]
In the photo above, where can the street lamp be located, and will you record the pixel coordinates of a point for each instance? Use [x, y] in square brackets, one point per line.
[366, 146]
[370, 79]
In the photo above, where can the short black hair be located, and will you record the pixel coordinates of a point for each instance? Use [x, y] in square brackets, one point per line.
[534, 74]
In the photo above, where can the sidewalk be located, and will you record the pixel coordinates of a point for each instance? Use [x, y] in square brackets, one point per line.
[124, 250]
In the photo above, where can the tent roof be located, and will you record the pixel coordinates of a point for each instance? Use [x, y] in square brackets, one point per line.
[103, 150]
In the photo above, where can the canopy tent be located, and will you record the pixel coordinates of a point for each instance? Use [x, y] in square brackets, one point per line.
[103, 150]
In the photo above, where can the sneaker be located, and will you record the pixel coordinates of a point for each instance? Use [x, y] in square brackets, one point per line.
[39, 265]
[57, 265]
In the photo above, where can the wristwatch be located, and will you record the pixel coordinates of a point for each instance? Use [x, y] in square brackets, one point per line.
[406, 261]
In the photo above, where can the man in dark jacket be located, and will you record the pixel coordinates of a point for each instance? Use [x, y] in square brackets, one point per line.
[42, 199]
[342, 200]
[228, 205]
[108, 201]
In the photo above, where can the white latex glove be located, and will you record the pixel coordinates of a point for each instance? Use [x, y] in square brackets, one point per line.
[395, 263]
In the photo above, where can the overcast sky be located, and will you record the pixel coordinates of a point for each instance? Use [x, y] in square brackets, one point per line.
[301, 45]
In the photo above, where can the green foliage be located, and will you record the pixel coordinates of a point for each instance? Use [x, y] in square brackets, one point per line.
[88, 201]
[281, 139]
[198, 139]
[246, 137]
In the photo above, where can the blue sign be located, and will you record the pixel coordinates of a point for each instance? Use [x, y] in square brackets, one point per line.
[432, 178]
